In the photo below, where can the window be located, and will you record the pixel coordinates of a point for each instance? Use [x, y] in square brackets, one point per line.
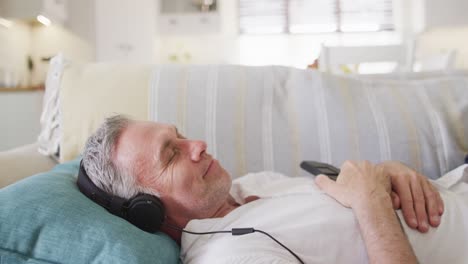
[314, 16]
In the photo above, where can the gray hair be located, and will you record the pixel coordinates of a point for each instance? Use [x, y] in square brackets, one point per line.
[98, 162]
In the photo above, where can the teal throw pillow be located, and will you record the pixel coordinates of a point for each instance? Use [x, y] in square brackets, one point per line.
[45, 219]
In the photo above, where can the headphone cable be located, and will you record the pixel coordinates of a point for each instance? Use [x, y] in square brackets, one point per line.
[237, 232]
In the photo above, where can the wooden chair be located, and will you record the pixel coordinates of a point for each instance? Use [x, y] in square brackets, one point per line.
[443, 61]
[332, 57]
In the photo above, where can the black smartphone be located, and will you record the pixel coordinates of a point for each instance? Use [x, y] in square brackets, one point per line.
[317, 168]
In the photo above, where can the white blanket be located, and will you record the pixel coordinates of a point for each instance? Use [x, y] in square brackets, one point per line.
[316, 227]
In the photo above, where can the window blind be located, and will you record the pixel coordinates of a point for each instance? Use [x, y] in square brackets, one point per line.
[263, 16]
[314, 16]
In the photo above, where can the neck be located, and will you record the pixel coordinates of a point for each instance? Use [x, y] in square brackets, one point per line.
[225, 208]
[176, 235]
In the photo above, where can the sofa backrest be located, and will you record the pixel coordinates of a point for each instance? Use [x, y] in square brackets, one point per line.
[272, 118]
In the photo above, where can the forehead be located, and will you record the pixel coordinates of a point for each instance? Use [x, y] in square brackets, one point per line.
[142, 138]
[147, 131]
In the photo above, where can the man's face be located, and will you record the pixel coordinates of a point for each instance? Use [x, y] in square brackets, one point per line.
[188, 179]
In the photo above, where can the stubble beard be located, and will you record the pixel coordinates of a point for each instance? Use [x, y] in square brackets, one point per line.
[216, 193]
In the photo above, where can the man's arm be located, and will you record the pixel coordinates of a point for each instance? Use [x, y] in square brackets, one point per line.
[366, 189]
[385, 240]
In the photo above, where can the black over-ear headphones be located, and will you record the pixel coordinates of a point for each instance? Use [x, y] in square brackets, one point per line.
[144, 211]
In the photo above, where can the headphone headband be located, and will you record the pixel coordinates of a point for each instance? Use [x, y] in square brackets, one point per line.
[114, 204]
[144, 210]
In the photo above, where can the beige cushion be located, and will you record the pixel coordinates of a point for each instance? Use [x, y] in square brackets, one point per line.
[91, 92]
[21, 162]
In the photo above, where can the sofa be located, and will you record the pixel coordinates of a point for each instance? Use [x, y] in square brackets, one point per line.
[252, 119]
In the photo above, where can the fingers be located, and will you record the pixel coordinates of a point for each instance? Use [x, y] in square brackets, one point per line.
[331, 188]
[251, 198]
[324, 183]
[406, 202]
[433, 200]
[440, 203]
[395, 200]
[419, 203]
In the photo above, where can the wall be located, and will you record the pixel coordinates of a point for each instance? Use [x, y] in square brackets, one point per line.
[445, 28]
[446, 13]
[410, 16]
[418, 16]
[81, 21]
[48, 41]
[443, 39]
[14, 49]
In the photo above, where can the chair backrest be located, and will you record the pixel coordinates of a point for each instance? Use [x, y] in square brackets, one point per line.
[444, 61]
[331, 57]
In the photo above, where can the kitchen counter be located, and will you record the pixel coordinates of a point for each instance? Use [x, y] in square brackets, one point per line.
[22, 89]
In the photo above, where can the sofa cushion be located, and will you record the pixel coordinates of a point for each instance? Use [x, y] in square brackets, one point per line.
[94, 92]
[22, 162]
[45, 219]
[79, 96]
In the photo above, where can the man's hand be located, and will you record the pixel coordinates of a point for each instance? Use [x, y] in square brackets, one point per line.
[357, 183]
[415, 195]
[366, 188]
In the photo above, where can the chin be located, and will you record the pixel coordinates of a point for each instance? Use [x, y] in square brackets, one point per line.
[222, 186]
[225, 182]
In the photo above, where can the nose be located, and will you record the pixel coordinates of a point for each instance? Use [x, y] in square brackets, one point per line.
[197, 149]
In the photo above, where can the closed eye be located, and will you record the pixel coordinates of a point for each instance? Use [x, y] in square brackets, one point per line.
[175, 151]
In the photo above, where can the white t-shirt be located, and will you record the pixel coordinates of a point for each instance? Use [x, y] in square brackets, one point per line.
[316, 227]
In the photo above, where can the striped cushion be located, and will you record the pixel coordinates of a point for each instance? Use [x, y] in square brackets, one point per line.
[271, 118]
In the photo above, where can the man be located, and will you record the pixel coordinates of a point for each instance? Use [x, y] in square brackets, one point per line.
[125, 157]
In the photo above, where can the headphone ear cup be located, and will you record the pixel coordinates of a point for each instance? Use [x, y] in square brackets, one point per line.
[146, 212]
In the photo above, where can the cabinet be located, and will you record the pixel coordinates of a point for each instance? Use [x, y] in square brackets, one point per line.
[189, 23]
[189, 17]
[125, 30]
